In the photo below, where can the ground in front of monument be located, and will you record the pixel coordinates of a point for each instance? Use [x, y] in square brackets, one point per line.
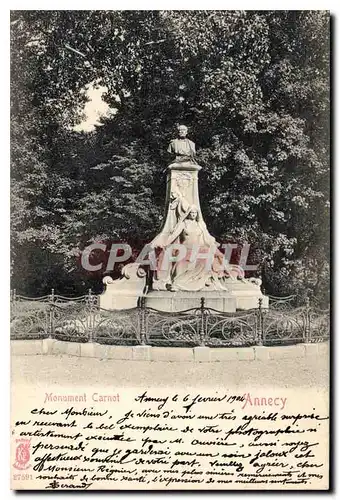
[47, 370]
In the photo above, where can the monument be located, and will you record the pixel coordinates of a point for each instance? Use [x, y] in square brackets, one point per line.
[187, 261]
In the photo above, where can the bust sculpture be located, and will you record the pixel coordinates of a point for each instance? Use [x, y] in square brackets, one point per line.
[183, 149]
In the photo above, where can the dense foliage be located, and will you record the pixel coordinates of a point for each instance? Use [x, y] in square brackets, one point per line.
[253, 87]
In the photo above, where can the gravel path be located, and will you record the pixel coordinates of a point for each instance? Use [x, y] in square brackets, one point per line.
[70, 370]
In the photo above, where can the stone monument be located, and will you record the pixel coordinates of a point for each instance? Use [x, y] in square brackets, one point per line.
[188, 262]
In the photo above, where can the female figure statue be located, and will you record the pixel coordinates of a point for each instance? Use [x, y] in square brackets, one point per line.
[191, 273]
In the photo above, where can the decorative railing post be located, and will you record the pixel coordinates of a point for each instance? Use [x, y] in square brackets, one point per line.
[260, 331]
[90, 320]
[51, 314]
[308, 321]
[13, 301]
[142, 312]
[202, 322]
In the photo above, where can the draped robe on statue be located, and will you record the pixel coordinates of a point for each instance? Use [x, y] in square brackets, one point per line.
[190, 272]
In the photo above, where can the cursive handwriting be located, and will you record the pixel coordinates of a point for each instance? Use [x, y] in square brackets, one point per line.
[175, 440]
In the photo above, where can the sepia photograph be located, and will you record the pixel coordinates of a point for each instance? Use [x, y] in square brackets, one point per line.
[170, 249]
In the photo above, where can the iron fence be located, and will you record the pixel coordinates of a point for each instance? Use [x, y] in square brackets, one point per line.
[80, 319]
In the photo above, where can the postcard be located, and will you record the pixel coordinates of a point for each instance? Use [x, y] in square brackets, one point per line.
[170, 229]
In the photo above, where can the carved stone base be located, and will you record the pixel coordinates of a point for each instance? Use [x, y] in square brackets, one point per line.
[115, 299]
[181, 300]
[124, 293]
[247, 294]
[241, 295]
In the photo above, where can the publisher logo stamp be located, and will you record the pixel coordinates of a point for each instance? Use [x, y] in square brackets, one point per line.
[22, 454]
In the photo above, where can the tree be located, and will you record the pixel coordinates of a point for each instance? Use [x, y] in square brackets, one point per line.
[251, 86]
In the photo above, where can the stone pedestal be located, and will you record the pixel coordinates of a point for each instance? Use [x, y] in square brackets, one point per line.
[181, 193]
[247, 294]
[124, 293]
[180, 301]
